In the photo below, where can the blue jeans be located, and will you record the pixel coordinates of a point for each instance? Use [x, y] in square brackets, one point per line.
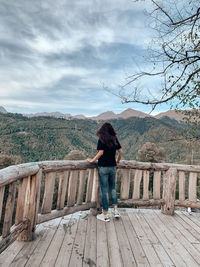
[107, 179]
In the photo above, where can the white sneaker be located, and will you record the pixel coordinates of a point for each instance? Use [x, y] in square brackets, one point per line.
[102, 217]
[116, 213]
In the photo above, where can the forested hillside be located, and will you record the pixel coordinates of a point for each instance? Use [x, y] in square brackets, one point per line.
[46, 138]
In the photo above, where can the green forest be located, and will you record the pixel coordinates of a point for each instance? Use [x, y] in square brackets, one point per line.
[47, 138]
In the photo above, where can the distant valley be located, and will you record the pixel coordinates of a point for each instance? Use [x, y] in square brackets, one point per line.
[49, 138]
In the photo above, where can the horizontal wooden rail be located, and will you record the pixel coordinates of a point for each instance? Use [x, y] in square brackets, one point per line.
[187, 204]
[16, 172]
[66, 211]
[60, 165]
[142, 203]
[13, 173]
[126, 164]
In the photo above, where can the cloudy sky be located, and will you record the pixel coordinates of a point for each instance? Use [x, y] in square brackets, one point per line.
[56, 55]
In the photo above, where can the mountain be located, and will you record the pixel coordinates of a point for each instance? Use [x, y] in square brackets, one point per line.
[2, 110]
[80, 117]
[109, 115]
[128, 113]
[49, 138]
[173, 114]
[49, 114]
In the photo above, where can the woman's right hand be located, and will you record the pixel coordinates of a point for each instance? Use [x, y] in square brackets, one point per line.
[89, 160]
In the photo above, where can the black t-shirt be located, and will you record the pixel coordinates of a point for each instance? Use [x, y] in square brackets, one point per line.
[108, 157]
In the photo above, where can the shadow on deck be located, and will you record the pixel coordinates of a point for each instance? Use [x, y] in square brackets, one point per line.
[141, 237]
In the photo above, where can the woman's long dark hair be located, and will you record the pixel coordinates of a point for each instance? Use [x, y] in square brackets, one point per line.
[107, 135]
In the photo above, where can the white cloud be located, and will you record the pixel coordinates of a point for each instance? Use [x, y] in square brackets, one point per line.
[56, 53]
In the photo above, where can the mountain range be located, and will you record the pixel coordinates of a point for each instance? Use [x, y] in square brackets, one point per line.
[109, 115]
[49, 138]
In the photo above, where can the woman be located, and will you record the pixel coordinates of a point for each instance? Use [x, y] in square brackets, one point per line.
[107, 146]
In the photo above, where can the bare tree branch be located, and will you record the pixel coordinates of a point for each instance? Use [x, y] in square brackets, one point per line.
[176, 61]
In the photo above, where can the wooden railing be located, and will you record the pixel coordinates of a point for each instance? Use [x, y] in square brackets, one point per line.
[33, 193]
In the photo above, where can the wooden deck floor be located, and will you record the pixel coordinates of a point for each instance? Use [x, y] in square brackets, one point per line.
[141, 237]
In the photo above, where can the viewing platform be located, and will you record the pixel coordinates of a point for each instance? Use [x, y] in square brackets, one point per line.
[47, 215]
[142, 237]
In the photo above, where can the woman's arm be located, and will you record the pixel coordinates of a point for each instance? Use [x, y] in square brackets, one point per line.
[120, 151]
[98, 155]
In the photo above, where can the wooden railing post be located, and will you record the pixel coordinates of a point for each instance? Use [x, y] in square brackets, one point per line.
[9, 209]
[31, 205]
[95, 193]
[169, 189]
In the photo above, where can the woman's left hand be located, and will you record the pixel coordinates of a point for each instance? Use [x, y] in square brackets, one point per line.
[90, 160]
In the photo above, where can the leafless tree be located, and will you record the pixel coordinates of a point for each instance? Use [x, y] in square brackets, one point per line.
[175, 58]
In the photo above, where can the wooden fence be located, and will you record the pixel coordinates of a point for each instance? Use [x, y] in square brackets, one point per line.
[33, 193]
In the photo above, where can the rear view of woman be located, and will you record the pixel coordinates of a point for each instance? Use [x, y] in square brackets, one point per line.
[107, 146]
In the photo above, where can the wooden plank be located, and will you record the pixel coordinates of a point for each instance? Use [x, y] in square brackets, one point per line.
[136, 187]
[156, 184]
[9, 210]
[21, 200]
[192, 187]
[102, 245]
[181, 247]
[90, 254]
[8, 255]
[195, 218]
[170, 245]
[23, 256]
[62, 189]
[125, 184]
[89, 185]
[48, 193]
[73, 179]
[12, 236]
[147, 245]
[76, 258]
[113, 246]
[146, 185]
[42, 247]
[70, 228]
[159, 249]
[189, 224]
[138, 252]
[125, 249]
[169, 188]
[192, 226]
[183, 227]
[181, 185]
[181, 234]
[2, 190]
[54, 248]
[82, 179]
